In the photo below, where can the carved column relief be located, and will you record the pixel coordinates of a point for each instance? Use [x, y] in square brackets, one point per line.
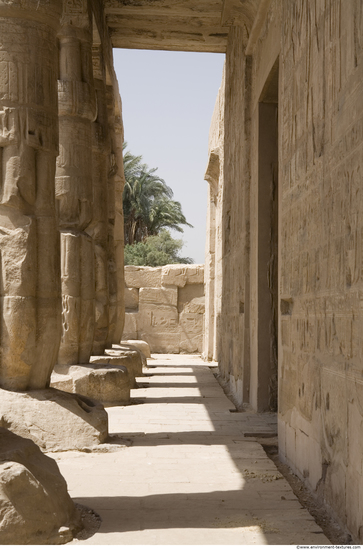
[116, 184]
[99, 227]
[77, 110]
[29, 240]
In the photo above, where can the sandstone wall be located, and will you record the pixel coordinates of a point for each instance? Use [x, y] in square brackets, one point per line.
[263, 206]
[321, 228]
[213, 245]
[235, 308]
[165, 307]
[227, 248]
[291, 230]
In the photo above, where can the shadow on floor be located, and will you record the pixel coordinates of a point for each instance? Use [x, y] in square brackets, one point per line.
[196, 400]
[206, 510]
[171, 385]
[172, 438]
[252, 506]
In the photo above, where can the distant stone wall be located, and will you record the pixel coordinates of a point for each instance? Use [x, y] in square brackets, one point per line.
[165, 307]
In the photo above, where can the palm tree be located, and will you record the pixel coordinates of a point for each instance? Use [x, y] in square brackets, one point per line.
[147, 202]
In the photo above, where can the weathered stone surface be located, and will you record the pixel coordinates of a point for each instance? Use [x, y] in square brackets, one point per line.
[229, 220]
[103, 213]
[162, 342]
[116, 181]
[284, 237]
[35, 507]
[131, 298]
[188, 294]
[191, 322]
[186, 26]
[74, 188]
[191, 325]
[131, 359]
[138, 277]
[78, 316]
[139, 344]
[29, 240]
[213, 249]
[181, 274]
[195, 305]
[174, 275]
[195, 274]
[158, 318]
[155, 318]
[284, 254]
[126, 347]
[131, 326]
[159, 296]
[103, 383]
[53, 419]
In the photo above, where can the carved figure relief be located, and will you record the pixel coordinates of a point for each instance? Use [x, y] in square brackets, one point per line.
[74, 192]
[99, 226]
[29, 240]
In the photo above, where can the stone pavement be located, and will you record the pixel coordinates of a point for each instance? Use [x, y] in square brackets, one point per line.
[191, 473]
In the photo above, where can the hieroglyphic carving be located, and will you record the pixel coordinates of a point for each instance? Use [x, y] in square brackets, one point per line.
[29, 240]
[165, 307]
[9, 126]
[99, 227]
[76, 14]
[74, 190]
[321, 240]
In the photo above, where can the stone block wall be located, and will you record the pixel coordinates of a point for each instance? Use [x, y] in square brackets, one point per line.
[321, 158]
[290, 204]
[165, 307]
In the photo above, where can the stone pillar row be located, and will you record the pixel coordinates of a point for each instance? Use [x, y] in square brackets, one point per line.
[60, 171]
[74, 187]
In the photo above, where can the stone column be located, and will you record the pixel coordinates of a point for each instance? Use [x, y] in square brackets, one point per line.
[113, 353]
[98, 229]
[74, 193]
[116, 184]
[29, 239]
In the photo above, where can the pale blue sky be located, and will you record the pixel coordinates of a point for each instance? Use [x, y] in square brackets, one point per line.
[168, 100]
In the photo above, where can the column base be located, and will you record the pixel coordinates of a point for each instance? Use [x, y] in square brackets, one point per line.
[124, 356]
[103, 382]
[140, 345]
[53, 419]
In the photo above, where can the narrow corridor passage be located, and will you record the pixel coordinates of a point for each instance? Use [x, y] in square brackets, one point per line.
[191, 473]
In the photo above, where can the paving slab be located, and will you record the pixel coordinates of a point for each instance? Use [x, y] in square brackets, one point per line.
[183, 471]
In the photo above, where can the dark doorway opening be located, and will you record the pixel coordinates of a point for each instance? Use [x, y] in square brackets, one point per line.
[268, 242]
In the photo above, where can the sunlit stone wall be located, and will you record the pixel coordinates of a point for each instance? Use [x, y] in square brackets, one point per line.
[304, 62]
[165, 307]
